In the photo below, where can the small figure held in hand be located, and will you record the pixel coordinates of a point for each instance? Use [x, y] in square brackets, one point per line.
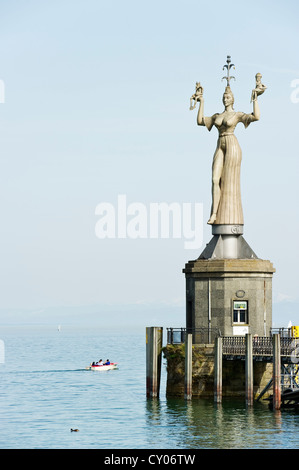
[196, 96]
[259, 88]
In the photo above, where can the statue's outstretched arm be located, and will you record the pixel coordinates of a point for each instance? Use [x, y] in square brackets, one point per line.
[200, 114]
[256, 110]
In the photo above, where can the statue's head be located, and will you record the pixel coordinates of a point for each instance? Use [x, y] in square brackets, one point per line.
[228, 97]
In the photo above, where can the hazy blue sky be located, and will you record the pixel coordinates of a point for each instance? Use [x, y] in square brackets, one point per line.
[97, 105]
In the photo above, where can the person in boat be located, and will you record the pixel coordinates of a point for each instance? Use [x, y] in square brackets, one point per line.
[107, 363]
[100, 363]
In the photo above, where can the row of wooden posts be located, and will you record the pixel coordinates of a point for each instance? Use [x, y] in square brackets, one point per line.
[154, 340]
[249, 395]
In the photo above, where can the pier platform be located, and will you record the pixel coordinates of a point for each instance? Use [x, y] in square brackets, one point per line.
[206, 363]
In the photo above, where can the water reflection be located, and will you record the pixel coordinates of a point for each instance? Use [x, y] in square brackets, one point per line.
[201, 424]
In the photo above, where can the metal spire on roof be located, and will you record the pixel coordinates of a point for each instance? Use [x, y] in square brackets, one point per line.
[228, 65]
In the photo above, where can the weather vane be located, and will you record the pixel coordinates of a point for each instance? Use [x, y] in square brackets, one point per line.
[228, 65]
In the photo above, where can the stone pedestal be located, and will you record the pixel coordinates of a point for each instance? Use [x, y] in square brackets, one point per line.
[234, 295]
[228, 243]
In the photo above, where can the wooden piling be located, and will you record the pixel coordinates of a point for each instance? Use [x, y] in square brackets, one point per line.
[218, 370]
[249, 370]
[276, 372]
[154, 339]
[188, 367]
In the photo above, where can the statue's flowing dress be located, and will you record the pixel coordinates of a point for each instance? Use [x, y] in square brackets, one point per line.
[229, 210]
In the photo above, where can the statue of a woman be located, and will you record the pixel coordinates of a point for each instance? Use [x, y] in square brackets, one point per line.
[226, 192]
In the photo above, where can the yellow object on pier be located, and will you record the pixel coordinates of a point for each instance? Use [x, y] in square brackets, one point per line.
[295, 331]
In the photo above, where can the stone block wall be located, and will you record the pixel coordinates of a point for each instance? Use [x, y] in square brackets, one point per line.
[213, 285]
[233, 376]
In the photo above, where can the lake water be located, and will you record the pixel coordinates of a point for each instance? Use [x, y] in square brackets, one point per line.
[46, 390]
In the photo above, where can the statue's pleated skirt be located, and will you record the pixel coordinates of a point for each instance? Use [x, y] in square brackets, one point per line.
[230, 206]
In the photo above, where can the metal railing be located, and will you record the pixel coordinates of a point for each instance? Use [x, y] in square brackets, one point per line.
[261, 346]
[199, 335]
[284, 332]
